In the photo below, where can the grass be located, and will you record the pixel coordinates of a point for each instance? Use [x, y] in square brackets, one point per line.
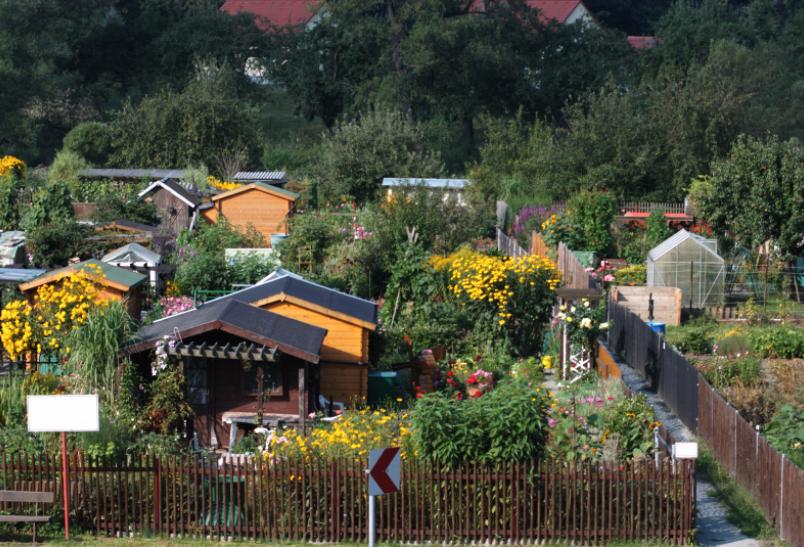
[742, 509]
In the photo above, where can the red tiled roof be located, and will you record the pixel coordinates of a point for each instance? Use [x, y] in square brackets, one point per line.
[560, 10]
[278, 12]
[642, 42]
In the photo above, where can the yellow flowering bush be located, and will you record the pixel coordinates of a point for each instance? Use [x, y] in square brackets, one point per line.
[514, 294]
[10, 164]
[57, 308]
[218, 184]
[350, 436]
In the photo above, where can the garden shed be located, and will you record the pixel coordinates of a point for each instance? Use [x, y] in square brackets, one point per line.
[348, 321]
[691, 263]
[113, 283]
[138, 258]
[176, 206]
[264, 206]
[221, 347]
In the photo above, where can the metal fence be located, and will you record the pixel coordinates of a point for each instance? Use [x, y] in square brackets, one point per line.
[776, 482]
[325, 500]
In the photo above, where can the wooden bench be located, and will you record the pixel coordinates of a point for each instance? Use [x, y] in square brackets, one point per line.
[20, 496]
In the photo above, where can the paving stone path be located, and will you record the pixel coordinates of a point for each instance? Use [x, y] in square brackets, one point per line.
[712, 524]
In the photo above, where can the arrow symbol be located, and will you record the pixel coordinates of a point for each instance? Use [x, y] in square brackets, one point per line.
[379, 471]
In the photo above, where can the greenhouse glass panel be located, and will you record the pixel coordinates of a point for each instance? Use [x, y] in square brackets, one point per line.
[691, 263]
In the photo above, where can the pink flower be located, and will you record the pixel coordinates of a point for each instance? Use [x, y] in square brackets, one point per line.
[608, 278]
[551, 422]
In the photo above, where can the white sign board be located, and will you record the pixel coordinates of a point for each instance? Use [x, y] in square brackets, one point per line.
[55, 413]
[383, 471]
[685, 451]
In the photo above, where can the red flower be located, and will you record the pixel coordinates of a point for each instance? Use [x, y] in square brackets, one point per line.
[419, 394]
[450, 374]
[459, 396]
[478, 394]
[472, 379]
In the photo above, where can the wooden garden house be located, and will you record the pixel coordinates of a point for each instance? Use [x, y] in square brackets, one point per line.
[348, 320]
[113, 283]
[176, 206]
[264, 206]
[221, 347]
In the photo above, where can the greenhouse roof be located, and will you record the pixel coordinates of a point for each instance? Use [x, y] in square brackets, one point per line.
[710, 245]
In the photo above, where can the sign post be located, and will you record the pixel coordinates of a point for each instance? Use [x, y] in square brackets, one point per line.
[383, 478]
[60, 414]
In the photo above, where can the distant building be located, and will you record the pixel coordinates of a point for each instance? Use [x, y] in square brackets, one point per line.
[176, 206]
[642, 42]
[12, 248]
[446, 187]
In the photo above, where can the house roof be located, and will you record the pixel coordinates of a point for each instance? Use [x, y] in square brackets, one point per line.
[248, 322]
[261, 176]
[131, 173]
[260, 186]
[709, 245]
[642, 42]
[118, 278]
[305, 293]
[279, 13]
[457, 184]
[133, 253]
[19, 275]
[172, 186]
[558, 10]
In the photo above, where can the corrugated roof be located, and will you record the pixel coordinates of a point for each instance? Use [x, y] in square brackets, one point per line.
[456, 184]
[298, 287]
[710, 245]
[256, 325]
[131, 173]
[558, 10]
[260, 176]
[173, 186]
[133, 252]
[19, 275]
[119, 276]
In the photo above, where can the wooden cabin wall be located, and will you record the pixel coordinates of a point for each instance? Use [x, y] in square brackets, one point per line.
[173, 213]
[267, 213]
[344, 383]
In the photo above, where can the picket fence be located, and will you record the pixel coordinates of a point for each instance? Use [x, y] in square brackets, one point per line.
[326, 500]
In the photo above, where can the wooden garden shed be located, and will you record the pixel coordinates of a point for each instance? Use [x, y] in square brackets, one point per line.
[223, 348]
[347, 319]
[265, 206]
[113, 283]
[176, 206]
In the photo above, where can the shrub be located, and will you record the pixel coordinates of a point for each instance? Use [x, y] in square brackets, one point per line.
[52, 204]
[54, 244]
[634, 274]
[785, 432]
[591, 215]
[506, 424]
[9, 210]
[782, 342]
[117, 205]
[90, 140]
[656, 230]
[350, 164]
[695, 337]
[66, 166]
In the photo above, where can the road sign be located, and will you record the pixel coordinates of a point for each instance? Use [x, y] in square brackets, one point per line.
[383, 471]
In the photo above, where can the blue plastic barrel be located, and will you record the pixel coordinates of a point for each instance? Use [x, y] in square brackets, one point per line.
[657, 327]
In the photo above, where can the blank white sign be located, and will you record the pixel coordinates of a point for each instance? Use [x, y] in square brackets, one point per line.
[48, 413]
[685, 451]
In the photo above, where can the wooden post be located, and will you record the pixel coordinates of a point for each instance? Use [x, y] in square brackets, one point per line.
[65, 479]
[303, 393]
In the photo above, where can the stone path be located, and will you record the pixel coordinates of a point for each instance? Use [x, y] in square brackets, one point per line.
[713, 526]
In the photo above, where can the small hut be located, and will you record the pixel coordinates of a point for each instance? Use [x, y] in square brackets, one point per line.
[176, 206]
[135, 257]
[691, 263]
[113, 283]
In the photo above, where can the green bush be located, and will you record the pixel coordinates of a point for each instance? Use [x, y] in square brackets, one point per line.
[634, 274]
[90, 140]
[9, 210]
[118, 205]
[591, 215]
[66, 166]
[781, 342]
[785, 432]
[52, 245]
[507, 424]
[697, 336]
[657, 229]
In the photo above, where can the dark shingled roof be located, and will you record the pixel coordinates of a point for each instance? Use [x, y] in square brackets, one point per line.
[173, 186]
[293, 285]
[242, 320]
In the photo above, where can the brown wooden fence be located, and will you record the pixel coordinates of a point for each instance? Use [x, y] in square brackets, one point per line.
[776, 482]
[509, 245]
[573, 272]
[326, 500]
[538, 246]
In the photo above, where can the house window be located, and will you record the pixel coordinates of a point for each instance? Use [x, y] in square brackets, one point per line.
[272, 379]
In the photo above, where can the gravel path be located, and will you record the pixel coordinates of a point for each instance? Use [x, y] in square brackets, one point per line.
[713, 526]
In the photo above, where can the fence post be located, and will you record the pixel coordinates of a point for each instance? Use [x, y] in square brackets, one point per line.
[157, 494]
[781, 502]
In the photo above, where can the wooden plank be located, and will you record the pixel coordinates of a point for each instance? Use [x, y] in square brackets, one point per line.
[22, 496]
